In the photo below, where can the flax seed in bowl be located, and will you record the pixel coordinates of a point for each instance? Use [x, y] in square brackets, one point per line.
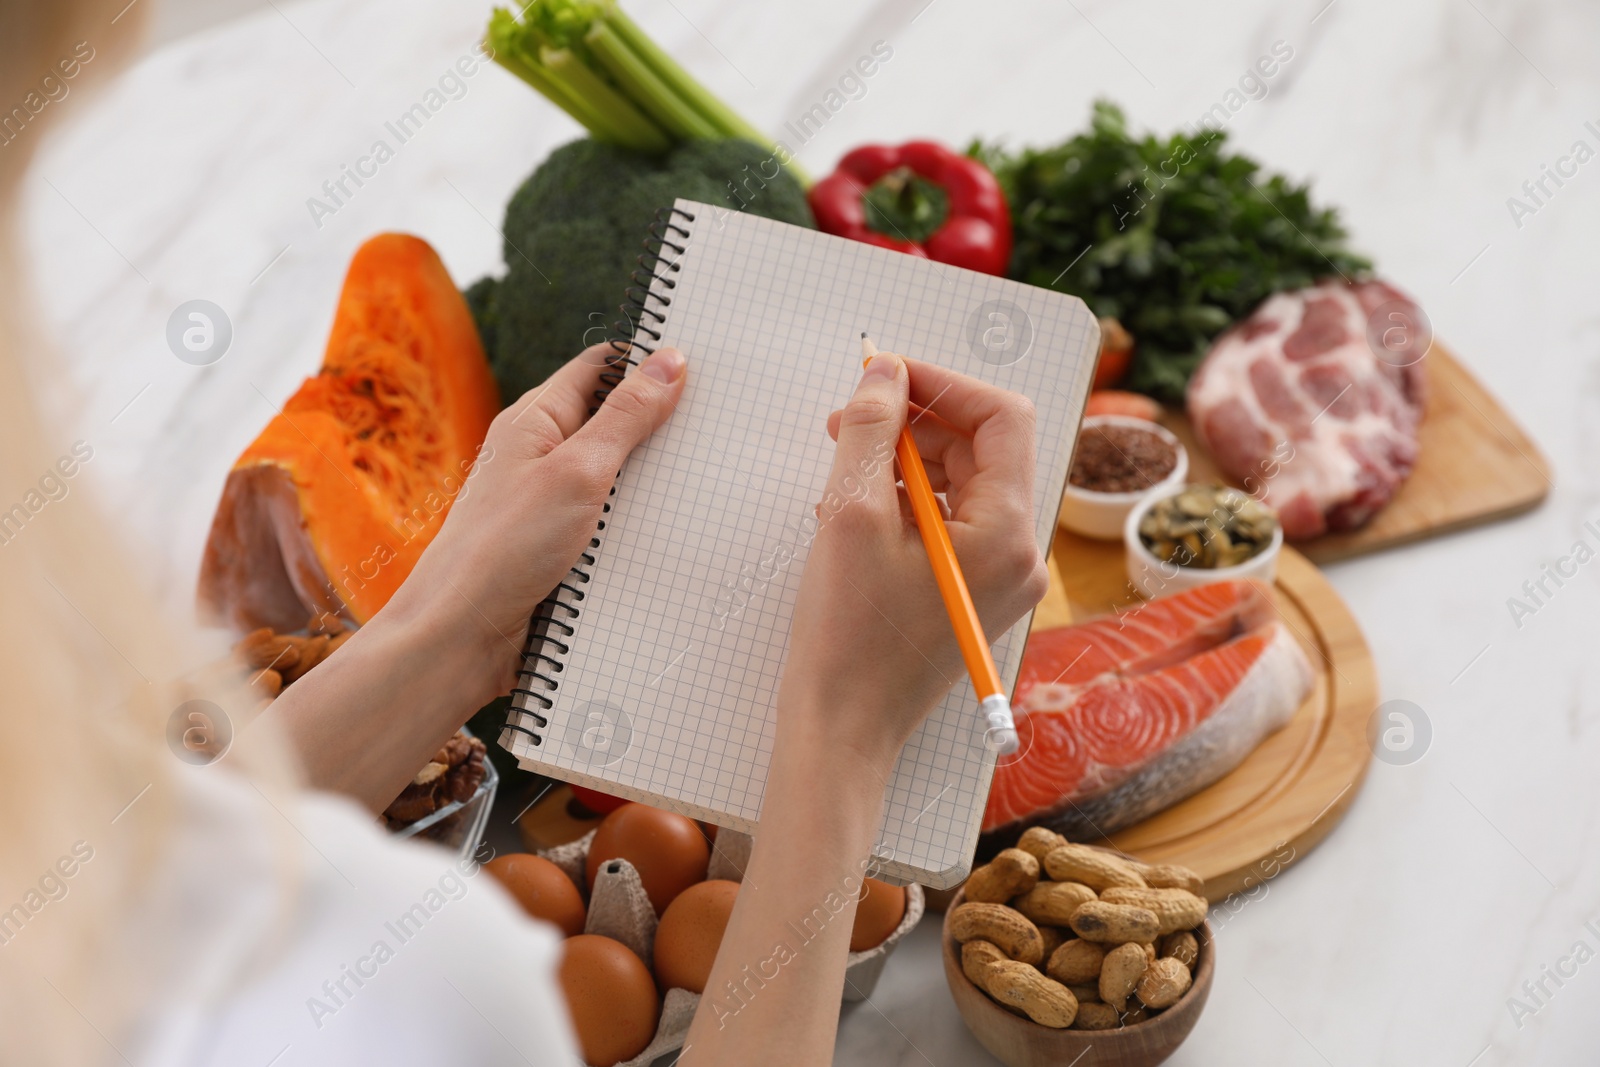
[1117, 461]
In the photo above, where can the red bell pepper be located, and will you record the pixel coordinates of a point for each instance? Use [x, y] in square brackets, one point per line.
[596, 801]
[919, 198]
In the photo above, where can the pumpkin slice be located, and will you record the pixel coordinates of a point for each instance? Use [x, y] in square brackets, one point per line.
[328, 510]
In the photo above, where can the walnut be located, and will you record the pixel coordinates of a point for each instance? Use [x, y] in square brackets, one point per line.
[464, 779]
[452, 776]
[430, 773]
[413, 803]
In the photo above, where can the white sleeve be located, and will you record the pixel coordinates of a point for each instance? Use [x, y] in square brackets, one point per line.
[393, 953]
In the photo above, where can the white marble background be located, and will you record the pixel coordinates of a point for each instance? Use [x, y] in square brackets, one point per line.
[1454, 880]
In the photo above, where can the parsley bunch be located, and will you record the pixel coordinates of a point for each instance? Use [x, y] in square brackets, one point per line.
[1178, 239]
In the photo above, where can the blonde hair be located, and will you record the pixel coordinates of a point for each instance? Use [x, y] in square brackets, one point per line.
[90, 669]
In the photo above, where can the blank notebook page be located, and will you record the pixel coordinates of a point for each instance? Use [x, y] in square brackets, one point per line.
[667, 692]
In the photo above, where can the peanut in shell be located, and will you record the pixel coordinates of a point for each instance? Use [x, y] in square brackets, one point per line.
[1163, 983]
[1175, 909]
[1021, 987]
[976, 956]
[1009, 874]
[1053, 903]
[1076, 961]
[1109, 923]
[1095, 868]
[1005, 927]
[1120, 974]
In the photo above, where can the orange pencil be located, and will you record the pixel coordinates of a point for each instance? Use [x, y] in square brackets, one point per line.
[1001, 734]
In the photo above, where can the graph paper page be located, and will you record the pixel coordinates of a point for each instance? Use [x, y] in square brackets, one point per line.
[667, 694]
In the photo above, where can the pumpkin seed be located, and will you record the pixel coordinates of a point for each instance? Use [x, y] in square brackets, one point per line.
[1207, 526]
[1195, 504]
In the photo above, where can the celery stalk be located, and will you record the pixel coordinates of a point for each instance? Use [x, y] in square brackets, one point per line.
[637, 131]
[644, 86]
[536, 76]
[515, 47]
[595, 63]
[720, 115]
[668, 70]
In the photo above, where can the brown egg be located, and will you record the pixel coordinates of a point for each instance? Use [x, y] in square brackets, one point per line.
[669, 851]
[611, 997]
[880, 910]
[542, 888]
[690, 933]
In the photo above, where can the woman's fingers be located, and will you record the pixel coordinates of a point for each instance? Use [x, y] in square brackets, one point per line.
[553, 410]
[972, 407]
[962, 401]
[941, 442]
[980, 435]
[909, 516]
[936, 441]
[869, 425]
[936, 476]
[631, 413]
[994, 480]
[954, 409]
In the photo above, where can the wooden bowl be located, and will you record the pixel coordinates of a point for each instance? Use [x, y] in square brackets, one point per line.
[1020, 1042]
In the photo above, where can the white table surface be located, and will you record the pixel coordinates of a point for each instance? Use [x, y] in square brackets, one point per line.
[1453, 880]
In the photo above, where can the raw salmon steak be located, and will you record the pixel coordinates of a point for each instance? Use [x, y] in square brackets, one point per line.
[1125, 715]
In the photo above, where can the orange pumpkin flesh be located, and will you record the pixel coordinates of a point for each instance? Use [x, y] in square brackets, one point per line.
[329, 509]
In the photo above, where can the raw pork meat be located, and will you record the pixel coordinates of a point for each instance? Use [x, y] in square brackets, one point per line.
[1124, 715]
[1294, 404]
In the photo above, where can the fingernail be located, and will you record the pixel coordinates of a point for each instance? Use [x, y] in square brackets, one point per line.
[665, 365]
[882, 368]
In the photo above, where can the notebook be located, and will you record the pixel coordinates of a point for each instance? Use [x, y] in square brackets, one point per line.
[651, 673]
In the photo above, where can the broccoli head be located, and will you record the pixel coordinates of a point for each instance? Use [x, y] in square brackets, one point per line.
[572, 240]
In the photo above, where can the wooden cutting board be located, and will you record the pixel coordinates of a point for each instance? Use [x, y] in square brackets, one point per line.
[1475, 465]
[1284, 798]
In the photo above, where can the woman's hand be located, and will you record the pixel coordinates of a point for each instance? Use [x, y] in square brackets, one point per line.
[533, 504]
[872, 649]
[451, 638]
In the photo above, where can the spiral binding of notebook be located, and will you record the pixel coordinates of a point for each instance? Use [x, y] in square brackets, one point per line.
[552, 626]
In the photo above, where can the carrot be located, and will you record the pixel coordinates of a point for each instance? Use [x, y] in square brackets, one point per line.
[1122, 402]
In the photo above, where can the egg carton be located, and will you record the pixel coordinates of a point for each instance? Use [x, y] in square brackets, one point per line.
[620, 909]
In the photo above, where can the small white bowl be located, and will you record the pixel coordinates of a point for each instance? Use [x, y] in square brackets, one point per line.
[1154, 577]
[1100, 515]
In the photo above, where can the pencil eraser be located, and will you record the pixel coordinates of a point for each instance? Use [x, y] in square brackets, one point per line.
[1001, 734]
[1002, 741]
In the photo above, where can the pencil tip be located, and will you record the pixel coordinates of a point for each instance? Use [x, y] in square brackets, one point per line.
[863, 335]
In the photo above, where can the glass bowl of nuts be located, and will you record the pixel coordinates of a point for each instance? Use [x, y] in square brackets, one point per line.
[1117, 462]
[1176, 540]
[448, 801]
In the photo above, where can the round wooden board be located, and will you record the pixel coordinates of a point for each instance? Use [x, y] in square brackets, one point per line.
[1284, 798]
